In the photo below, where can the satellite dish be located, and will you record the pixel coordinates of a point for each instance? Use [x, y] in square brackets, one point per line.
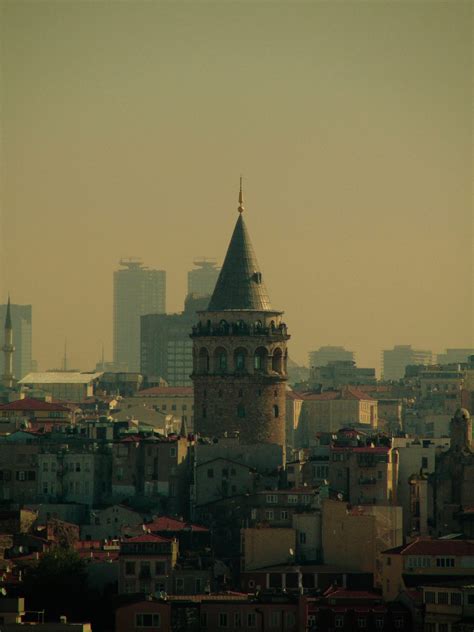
[339, 496]
[291, 551]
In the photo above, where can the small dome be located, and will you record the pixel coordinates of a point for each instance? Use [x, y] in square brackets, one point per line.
[462, 414]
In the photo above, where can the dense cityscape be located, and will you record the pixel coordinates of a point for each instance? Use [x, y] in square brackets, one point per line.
[203, 481]
[236, 316]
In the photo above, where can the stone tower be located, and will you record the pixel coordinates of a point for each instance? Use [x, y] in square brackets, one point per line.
[8, 350]
[239, 352]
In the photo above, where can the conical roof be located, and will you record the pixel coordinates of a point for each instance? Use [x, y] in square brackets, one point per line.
[240, 284]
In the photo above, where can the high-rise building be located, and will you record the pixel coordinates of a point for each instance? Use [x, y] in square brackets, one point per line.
[202, 280]
[395, 361]
[137, 291]
[239, 352]
[166, 350]
[324, 355]
[454, 356]
[22, 339]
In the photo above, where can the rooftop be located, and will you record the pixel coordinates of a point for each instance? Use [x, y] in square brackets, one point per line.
[33, 404]
[168, 391]
[240, 285]
[428, 546]
[60, 377]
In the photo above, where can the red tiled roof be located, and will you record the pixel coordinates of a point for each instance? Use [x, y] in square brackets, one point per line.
[147, 537]
[340, 593]
[168, 391]
[428, 546]
[165, 523]
[33, 404]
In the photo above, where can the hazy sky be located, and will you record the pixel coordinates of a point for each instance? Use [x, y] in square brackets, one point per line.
[125, 127]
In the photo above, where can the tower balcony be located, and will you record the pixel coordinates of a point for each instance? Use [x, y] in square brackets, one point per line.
[239, 328]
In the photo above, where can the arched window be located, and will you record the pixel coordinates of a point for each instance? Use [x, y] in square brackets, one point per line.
[240, 359]
[260, 359]
[276, 411]
[241, 411]
[220, 360]
[203, 362]
[277, 360]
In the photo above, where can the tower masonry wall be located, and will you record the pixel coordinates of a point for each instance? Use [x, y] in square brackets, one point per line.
[239, 375]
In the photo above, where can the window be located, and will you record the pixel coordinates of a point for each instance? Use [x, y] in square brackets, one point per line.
[210, 473]
[302, 537]
[276, 411]
[163, 407]
[339, 621]
[160, 568]
[275, 619]
[443, 627]
[470, 599]
[424, 462]
[21, 476]
[172, 452]
[147, 620]
[290, 619]
[241, 411]
[389, 561]
[198, 586]
[237, 620]
[204, 619]
[379, 624]
[271, 499]
[223, 619]
[361, 623]
[78, 467]
[179, 585]
[129, 568]
[292, 499]
[173, 406]
[45, 466]
[445, 562]
[269, 515]
[429, 596]
[284, 514]
[398, 624]
[225, 472]
[443, 597]
[456, 599]
[251, 620]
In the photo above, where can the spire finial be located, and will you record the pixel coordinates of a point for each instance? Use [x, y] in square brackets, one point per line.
[8, 319]
[241, 198]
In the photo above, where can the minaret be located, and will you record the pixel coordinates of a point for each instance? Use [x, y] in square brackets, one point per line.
[239, 352]
[8, 350]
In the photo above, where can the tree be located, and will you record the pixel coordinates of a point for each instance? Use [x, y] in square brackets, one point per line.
[58, 585]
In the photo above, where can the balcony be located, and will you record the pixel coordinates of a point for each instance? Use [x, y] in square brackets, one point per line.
[238, 329]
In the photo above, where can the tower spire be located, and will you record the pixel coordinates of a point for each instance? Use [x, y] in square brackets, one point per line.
[241, 198]
[8, 318]
[8, 349]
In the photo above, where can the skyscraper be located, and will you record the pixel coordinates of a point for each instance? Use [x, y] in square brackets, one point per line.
[324, 355]
[202, 280]
[240, 355]
[397, 359]
[21, 321]
[137, 291]
[166, 349]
